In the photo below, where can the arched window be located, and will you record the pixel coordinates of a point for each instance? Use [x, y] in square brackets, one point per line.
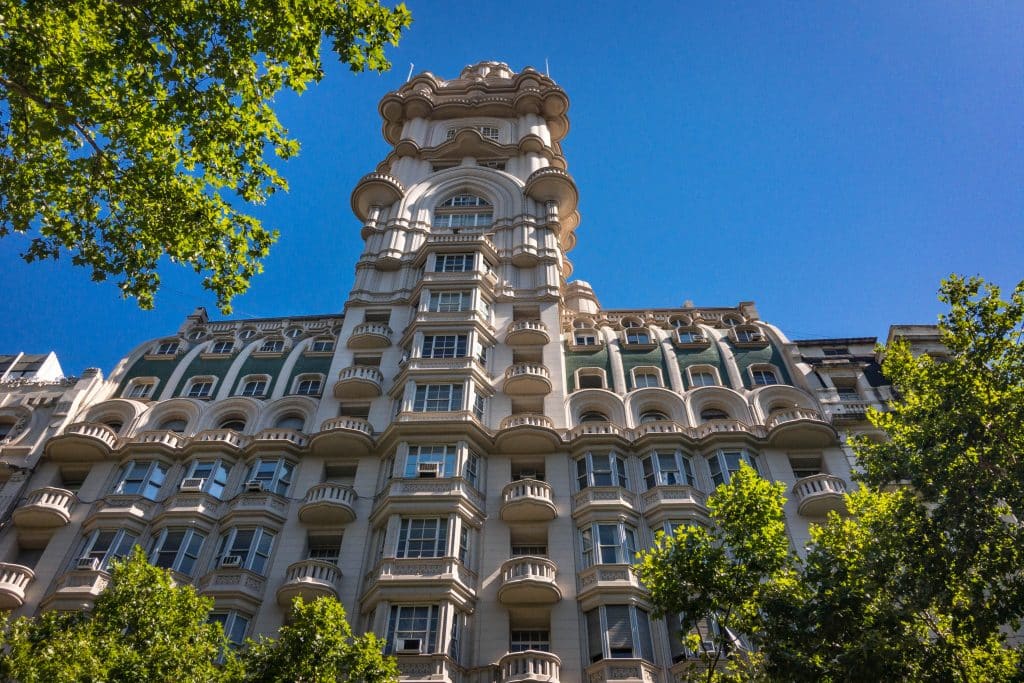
[593, 416]
[713, 414]
[174, 424]
[291, 421]
[463, 211]
[233, 422]
[764, 376]
[652, 416]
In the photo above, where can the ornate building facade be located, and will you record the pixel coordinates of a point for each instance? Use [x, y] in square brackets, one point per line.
[469, 456]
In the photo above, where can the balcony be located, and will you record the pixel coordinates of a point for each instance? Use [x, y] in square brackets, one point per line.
[77, 590]
[600, 432]
[551, 184]
[44, 511]
[679, 500]
[847, 412]
[799, 428]
[257, 507]
[309, 579]
[234, 583]
[614, 581]
[429, 496]
[370, 336]
[375, 189]
[82, 442]
[527, 333]
[819, 494]
[614, 499]
[288, 438]
[192, 506]
[528, 580]
[523, 379]
[328, 504]
[352, 435]
[14, 579]
[123, 510]
[728, 428]
[622, 671]
[225, 438]
[527, 500]
[359, 381]
[160, 439]
[428, 667]
[529, 666]
[526, 433]
[420, 579]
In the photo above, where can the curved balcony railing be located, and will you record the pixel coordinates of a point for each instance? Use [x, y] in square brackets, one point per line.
[527, 332]
[370, 335]
[160, 437]
[818, 494]
[14, 579]
[93, 430]
[524, 420]
[527, 369]
[527, 500]
[48, 507]
[359, 381]
[227, 437]
[529, 666]
[328, 503]
[309, 579]
[351, 424]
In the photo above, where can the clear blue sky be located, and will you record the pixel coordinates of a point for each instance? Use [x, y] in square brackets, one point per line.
[830, 161]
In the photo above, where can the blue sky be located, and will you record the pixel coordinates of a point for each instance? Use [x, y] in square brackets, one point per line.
[830, 161]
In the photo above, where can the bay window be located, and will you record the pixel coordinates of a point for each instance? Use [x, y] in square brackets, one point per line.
[177, 549]
[437, 398]
[251, 546]
[670, 468]
[444, 346]
[434, 461]
[274, 474]
[601, 469]
[724, 464]
[212, 473]
[619, 632]
[104, 545]
[235, 625]
[423, 537]
[608, 543]
[412, 629]
[142, 478]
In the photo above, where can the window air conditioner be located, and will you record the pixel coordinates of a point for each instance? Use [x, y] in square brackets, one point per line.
[231, 561]
[410, 645]
[88, 563]
[192, 484]
[429, 469]
[254, 486]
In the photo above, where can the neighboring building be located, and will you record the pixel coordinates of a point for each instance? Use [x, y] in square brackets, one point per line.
[469, 456]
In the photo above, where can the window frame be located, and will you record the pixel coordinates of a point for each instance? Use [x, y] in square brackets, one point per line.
[655, 473]
[720, 468]
[607, 542]
[646, 371]
[428, 635]
[617, 471]
[131, 390]
[232, 617]
[694, 370]
[450, 301]
[253, 555]
[759, 372]
[308, 384]
[187, 550]
[423, 537]
[280, 476]
[212, 484]
[115, 548]
[444, 455]
[445, 346]
[153, 477]
[195, 387]
[423, 402]
[460, 262]
[640, 635]
[222, 347]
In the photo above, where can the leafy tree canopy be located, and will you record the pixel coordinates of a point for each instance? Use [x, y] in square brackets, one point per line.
[133, 130]
[922, 580]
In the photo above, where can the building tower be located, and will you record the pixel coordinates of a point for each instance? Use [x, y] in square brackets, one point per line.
[469, 457]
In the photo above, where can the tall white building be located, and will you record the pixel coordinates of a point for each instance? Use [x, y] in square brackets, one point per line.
[470, 455]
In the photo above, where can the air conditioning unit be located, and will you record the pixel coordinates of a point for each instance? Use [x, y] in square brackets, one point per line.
[231, 561]
[254, 486]
[88, 563]
[429, 469]
[192, 484]
[410, 645]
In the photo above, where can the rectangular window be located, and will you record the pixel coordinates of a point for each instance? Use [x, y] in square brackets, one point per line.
[646, 379]
[444, 346]
[586, 340]
[200, 389]
[308, 387]
[702, 378]
[178, 549]
[324, 547]
[764, 377]
[667, 469]
[434, 461]
[521, 641]
[479, 407]
[275, 475]
[724, 464]
[104, 545]
[412, 629]
[437, 397]
[323, 345]
[142, 479]
[235, 626]
[450, 302]
[272, 346]
[167, 349]
[471, 470]
[256, 387]
[637, 337]
[619, 632]
[251, 546]
[608, 543]
[453, 263]
[601, 469]
[223, 347]
[529, 550]
[140, 390]
[423, 538]
[464, 544]
[212, 473]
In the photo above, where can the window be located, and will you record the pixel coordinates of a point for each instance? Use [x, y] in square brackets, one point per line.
[293, 332]
[174, 424]
[608, 543]
[601, 469]
[450, 302]
[223, 346]
[453, 263]
[479, 406]
[412, 629]
[430, 462]
[246, 335]
[308, 386]
[689, 335]
[667, 469]
[712, 636]
[212, 473]
[104, 545]
[747, 335]
[593, 416]
[275, 475]
[635, 336]
[764, 377]
[646, 378]
[703, 377]
[255, 387]
[724, 464]
[847, 390]
[713, 414]
[234, 423]
[167, 348]
[836, 351]
[529, 550]
[471, 470]
[177, 549]
[142, 478]
[323, 345]
[464, 211]
[291, 421]
[423, 538]
[521, 641]
[805, 466]
[731, 321]
[324, 547]
[251, 546]
[437, 397]
[444, 346]
[618, 632]
[590, 379]
[235, 625]
[141, 389]
[586, 339]
[272, 346]
[653, 416]
[200, 388]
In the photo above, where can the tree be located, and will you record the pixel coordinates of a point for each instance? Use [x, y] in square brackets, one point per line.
[133, 130]
[318, 647]
[722, 574]
[923, 579]
[143, 628]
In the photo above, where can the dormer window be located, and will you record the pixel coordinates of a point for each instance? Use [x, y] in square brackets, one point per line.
[747, 335]
[322, 345]
[464, 211]
[764, 377]
[637, 336]
[168, 348]
[272, 346]
[200, 387]
[223, 346]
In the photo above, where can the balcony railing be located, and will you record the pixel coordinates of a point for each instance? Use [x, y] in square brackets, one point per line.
[328, 503]
[45, 508]
[527, 378]
[817, 494]
[310, 579]
[359, 381]
[527, 332]
[226, 437]
[529, 666]
[370, 336]
[528, 580]
[527, 500]
[93, 430]
[14, 579]
[527, 420]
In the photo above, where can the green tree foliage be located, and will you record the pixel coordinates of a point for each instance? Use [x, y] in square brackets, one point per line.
[723, 572]
[143, 628]
[318, 646]
[133, 130]
[923, 579]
